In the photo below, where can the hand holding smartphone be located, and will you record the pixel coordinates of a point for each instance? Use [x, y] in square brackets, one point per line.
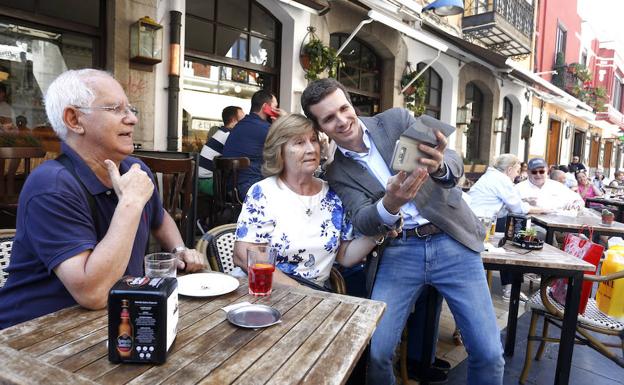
[270, 111]
[406, 155]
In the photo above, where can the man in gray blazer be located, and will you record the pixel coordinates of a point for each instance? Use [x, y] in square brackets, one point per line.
[440, 240]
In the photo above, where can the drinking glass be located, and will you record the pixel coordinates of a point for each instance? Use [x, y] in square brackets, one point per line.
[487, 224]
[160, 265]
[260, 268]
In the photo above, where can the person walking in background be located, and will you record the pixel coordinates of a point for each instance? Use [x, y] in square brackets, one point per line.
[248, 136]
[576, 165]
[214, 147]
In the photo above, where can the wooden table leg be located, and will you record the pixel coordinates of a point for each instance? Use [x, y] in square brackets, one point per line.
[568, 330]
[512, 318]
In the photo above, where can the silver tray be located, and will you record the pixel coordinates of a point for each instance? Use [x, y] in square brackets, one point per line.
[254, 316]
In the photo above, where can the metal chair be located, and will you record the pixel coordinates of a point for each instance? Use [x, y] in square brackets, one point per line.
[593, 320]
[13, 173]
[178, 187]
[220, 253]
[6, 244]
[227, 201]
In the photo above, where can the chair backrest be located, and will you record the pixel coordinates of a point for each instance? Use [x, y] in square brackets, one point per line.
[221, 247]
[178, 190]
[6, 244]
[226, 198]
[12, 173]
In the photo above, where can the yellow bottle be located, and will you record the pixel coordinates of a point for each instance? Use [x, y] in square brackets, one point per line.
[610, 296]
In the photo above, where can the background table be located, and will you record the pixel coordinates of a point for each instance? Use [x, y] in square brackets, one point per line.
[547, 262]
[617, 202]
[553, 222]
[320, 339]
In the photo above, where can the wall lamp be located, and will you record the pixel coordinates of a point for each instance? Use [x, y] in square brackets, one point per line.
[596, 137]
[500, 125]
[146, 41]
[445, 7]
[464, 115]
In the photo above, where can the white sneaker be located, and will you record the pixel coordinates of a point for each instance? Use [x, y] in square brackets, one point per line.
[507, 296]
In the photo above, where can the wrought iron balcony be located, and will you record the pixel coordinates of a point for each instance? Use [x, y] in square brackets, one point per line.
[504, 26]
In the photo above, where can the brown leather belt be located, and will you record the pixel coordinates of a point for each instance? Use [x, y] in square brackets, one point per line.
[422, 231]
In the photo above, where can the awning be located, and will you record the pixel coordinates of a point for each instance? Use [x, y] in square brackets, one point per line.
[317, 7]
[612, 116]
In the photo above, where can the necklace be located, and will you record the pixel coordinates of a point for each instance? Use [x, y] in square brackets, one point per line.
[312, 199]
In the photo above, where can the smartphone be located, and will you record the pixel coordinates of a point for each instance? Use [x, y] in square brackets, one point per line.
[270, 111]
[406, 155]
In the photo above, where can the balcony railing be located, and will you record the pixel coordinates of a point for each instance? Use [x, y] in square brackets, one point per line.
[502, 25]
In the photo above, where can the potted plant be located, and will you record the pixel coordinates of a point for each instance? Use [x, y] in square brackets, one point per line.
[415, 95]
[607, 217]
[316, 57]
[528, 239]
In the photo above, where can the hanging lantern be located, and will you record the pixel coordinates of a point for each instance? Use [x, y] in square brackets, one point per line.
[146, 41]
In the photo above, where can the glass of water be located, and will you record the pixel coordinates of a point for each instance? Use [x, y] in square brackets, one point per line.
[160, 265]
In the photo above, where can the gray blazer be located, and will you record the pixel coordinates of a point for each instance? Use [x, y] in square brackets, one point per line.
[440, 203]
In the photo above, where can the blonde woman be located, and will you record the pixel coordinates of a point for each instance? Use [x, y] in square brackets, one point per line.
[295, 212]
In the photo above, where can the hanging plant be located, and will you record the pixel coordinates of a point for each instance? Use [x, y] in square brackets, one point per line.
[315, 57]
[415, 95]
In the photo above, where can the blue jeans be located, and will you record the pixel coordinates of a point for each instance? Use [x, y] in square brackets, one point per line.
[457, 273]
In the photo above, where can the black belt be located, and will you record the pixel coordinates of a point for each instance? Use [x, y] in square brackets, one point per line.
[422, 231]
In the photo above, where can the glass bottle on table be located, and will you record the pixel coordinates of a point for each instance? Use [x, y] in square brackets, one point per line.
[124, 339]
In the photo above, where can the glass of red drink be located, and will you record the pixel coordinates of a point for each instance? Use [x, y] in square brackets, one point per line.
[260, 268]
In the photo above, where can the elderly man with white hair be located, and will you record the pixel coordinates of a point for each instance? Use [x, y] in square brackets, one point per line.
[84, 219]
[545, 192]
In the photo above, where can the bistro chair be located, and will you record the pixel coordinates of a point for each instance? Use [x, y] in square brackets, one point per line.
[221, 254]
[178, 186]
[6, 244]
[15, 166]
[592, 321]
[227, 201]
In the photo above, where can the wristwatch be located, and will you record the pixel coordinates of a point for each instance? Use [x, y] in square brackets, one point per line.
[178, 249]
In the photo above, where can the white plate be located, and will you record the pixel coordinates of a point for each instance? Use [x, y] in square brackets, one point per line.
[206, 284]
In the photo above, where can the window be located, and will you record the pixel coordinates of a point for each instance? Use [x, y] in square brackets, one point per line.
[232, 51]
[235, 29]
[473, 145]
[617, 94]
[506, 137]
[433, 84]
[361, 74]
[584, 57]
[560, 43]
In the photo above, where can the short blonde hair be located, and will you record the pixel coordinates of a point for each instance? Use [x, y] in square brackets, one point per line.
[504, 161]
[282, 130]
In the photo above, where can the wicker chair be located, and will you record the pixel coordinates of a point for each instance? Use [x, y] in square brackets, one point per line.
[6, 244]
[593, 320]
[220, 251]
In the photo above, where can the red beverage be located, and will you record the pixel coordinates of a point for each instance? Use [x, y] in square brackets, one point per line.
[260, 278]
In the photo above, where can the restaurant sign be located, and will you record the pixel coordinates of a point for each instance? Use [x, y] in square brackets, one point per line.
[203, 124]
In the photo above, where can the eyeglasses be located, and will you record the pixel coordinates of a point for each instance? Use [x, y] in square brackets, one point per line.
[535, 172]
[117, 109]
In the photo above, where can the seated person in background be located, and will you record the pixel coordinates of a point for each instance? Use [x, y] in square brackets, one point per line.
[585, 188]
[543, 192]
[214, 147]
[523, 174]
[295, 212]
[248, 136]
[599, 180]
[71, 248]
[576, 165]
[495, 191]
[7, 115]
[570, 180]
[558, 176]
[618, 180]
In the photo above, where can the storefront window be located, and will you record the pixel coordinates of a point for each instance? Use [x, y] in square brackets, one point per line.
[232, 51]
[361, 74]
[30, 59]
[473, 145]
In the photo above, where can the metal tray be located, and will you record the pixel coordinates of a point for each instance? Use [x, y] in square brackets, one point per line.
[254, 316]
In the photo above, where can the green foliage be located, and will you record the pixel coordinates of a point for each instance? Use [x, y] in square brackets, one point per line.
[607, 213]
[559, 78]
[416, 94]
[316, 57]
[529, 234]
[18, 140]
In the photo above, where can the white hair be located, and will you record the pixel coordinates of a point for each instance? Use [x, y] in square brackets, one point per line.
[71, 88]
[504, 161]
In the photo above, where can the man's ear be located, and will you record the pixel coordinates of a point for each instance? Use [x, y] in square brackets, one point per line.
[71, 120]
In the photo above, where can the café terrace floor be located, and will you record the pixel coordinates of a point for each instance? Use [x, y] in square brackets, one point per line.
[588, 366]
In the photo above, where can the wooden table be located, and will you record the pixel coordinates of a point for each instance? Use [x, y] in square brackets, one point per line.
[617, 202]
[547, 262]
[553, 222]
[320, 339]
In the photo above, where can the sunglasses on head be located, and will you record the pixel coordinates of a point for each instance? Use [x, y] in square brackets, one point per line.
[535, 172]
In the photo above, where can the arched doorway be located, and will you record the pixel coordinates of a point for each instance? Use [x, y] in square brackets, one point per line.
[361, 74]
[473, 140]
[232, 50]
[433, 85]
[505, 146]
